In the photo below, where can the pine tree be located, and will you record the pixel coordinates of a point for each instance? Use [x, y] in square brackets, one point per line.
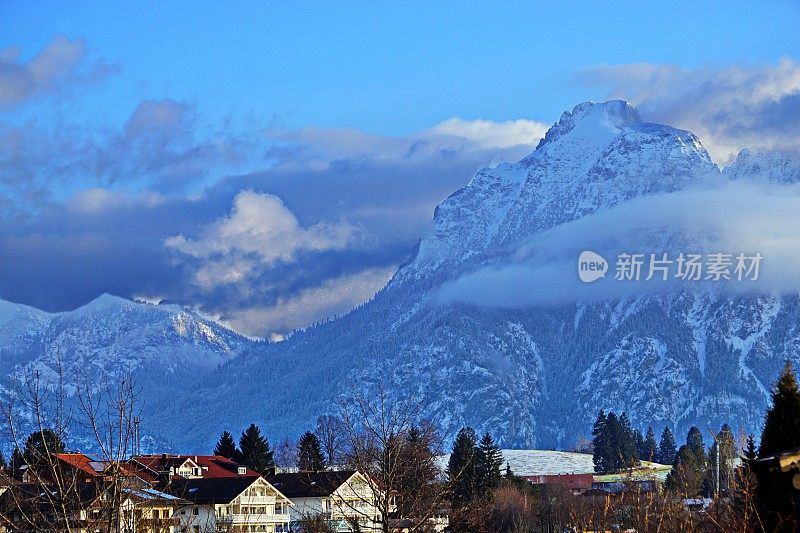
[666, 448]
[650, 450]
[782, 424]
[781, 433]
[17, 461]
[689, 469]
[640, 451]
[612, 436]
[686, 476]
[309, 453]
[626, 451]
[226, 447]
[3, 464]
[488, 460]
[256, 453]
[694, 440]
[41, 443]
[601, 454]
[750, 451]
[461, 473]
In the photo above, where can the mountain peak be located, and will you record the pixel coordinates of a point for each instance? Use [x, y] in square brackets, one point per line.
[765, 167]
[590, 119]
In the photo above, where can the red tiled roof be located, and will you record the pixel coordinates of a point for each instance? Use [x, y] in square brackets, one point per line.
[218, 466]
[214, 466]
[78, 461]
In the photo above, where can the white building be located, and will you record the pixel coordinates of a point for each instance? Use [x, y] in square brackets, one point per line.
[341, 498]
[238, 504]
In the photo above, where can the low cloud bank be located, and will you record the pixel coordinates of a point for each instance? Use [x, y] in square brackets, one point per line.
[718, 217]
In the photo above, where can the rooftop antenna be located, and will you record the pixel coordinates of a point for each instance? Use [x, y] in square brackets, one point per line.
[137, 436]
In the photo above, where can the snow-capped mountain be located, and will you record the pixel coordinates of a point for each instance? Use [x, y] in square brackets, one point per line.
[163, 347]
[534, 376]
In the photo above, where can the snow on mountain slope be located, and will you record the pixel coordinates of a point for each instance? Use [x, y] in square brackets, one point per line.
[597, 156]
[164, 348]
[769, 167]
[533, 377]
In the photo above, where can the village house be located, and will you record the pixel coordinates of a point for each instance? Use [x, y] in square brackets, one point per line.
[222, 494]
[238, 504]
[344, 499]
[76, 489]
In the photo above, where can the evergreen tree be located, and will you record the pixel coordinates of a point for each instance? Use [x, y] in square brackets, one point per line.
[689, 468]
[640, 451]
[488, 460]
[781, 433]
[782, 424]
[3, 464]
[17, 461]
[41, 443]
[614, 442]
[686, 476]
[601, 454]
[650, 450]
[694, 440]
[226, 447]
[750, 451]
[666, 448]
[256, 453]
[626, 452]
[460, 472]
[309, 453]
[612, 436]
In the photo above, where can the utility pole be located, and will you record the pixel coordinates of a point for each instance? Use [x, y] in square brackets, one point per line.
[716, 443]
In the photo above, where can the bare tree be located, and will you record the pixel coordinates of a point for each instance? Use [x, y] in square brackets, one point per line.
[286, 454]
[56, 494]
[332, 436]
[377, 429]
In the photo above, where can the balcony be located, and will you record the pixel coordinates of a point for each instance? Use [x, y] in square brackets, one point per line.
[256, 500]
[251, 519]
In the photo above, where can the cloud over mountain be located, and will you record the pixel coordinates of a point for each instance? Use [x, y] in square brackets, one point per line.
[730, 108]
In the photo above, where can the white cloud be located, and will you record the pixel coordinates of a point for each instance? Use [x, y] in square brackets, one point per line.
[259, 231]
[490, 134]
[730, 108]
[719, 216]
[333, 296]
[493, 141]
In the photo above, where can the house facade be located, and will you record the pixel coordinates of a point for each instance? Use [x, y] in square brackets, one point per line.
[344, 499]
[242, 503]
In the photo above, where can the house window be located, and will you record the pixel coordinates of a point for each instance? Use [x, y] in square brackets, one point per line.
[196, 511]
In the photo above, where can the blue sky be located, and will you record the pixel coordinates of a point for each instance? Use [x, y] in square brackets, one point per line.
[340, 124]
[390, 67]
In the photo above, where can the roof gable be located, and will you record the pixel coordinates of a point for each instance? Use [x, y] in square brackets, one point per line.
[310, 484]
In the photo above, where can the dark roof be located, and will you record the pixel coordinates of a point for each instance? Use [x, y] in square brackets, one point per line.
[210, 490]
[309, 484]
